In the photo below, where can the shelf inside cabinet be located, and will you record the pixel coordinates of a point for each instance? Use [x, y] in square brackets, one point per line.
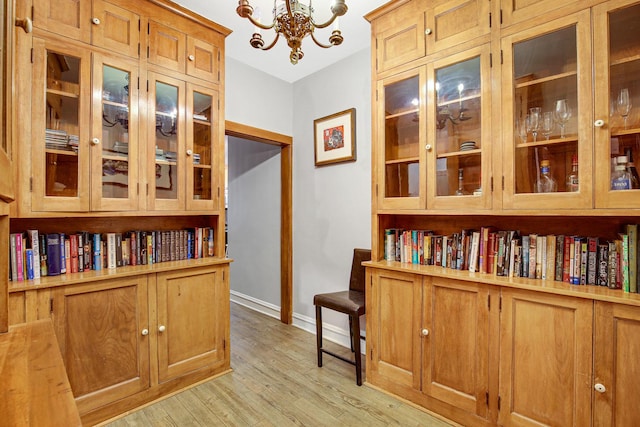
[459, 100]
[460, 153]
[402, 161]
[623, 58]
[202, 166]
[165, 162]
[61, 152]
[545, 79]
[116, 104]
[550, 141]
[402, 113]
[202, 122]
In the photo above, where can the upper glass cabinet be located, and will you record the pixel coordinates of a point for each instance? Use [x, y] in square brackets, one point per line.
[617, 104]
[547, 78]
[401, 132]
[458, 146]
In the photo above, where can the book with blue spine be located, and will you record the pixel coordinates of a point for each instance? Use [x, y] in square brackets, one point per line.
[97, 251]
[53, 254]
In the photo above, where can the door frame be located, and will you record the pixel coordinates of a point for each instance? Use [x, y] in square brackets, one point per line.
[285, 143]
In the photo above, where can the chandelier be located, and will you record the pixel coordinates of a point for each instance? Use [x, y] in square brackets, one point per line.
[293, 20]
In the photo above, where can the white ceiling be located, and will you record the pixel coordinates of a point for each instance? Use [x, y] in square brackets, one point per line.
[355, 30]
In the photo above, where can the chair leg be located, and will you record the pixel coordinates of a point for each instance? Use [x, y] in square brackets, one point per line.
[356, 347]
[319, 334]
[351, 334]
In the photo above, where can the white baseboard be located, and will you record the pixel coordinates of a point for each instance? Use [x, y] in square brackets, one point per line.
[329, 332]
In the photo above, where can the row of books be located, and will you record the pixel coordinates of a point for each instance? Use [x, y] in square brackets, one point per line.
[34, 254]
[577, 260]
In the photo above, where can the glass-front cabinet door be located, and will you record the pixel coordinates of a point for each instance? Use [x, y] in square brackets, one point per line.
[458, 144]
[617, 104]
[60, 127]
[547, 133]
[166, 143]
[401, 133]
[202, 157]
[114, 139]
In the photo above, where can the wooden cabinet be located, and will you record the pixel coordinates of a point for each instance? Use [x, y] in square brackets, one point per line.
[546, 357]
[393, 322]
[616, 364]
[192, 310]
[457, 358]
[115, 28]
[429, 340]
[102, 329]
[128, 339]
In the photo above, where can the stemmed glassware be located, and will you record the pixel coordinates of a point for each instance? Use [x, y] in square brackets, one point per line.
[547, 124]
[533, 122]
[623, 105]
[562, 114]
[522, 128]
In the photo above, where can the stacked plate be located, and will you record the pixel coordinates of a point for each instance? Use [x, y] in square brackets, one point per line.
[468, 145]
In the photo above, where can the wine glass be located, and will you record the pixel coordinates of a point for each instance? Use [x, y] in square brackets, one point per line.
[521, 128]
[562, 114]
[533, 122]
[547, 124]
[623, 105]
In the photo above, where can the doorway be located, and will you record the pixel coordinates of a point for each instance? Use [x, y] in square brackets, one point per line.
[284, 142]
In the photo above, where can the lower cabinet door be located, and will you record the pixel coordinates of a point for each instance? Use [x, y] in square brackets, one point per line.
[456, 333]
[546, 356]
[102, 332]
[393, 320]
[193, 313]
[617, 365]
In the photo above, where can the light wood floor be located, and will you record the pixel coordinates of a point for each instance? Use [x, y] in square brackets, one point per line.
[276, 382]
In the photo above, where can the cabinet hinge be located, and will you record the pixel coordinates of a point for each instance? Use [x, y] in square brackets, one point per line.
[218, 98]
[218, 80]
[138, 50]
[50, 305]
[491, 60]
[138, 81]
[489, 302]
[486, 395]
[501, 57]
[371, 354]
[30, 185]
[218, 60]
[139, 27]
[148, 28]
[502, 182]
[500, 16]
[224, 344]
[33, 12]
[147, 189]
[489, 19]
[498, 403]
[32, 55]
[138, 188]
[500, 306]
[147, 52]
[147, 85]
[492, 184]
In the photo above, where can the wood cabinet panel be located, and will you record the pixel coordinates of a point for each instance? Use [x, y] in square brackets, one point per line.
[546, 359]
[399, 36]
[393, 326]
[455, 353]
[116, 29]
[616, 366]
[203, 60]
[457, 21]
[100, 330]
[70, 18]
[192, 307]
[167, 47]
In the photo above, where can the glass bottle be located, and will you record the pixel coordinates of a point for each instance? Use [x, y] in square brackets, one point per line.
[631, 168]
[620, 179]
[460, 190]
[546, 183]
[572, 178]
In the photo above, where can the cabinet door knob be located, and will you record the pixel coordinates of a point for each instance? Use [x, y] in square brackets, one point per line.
[600, 388]
[191, 58]
[424, 332]
[189, 152]
[428, 31]
[428, 147]
[161, 328]
[95, 141]
[598, 123]
[145, 332]
[25, 23]
[96, 21]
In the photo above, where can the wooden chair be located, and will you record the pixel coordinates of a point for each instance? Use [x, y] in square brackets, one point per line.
[350, 302]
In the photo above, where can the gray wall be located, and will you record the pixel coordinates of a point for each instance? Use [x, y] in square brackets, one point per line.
[331, 204]
[254, 220]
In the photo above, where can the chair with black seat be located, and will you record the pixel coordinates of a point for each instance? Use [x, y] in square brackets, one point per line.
[352, 303]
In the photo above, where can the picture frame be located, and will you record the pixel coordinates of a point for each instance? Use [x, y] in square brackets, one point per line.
[335, 138]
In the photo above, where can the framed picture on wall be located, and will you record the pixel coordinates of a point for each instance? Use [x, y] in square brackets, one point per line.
[335, 138]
